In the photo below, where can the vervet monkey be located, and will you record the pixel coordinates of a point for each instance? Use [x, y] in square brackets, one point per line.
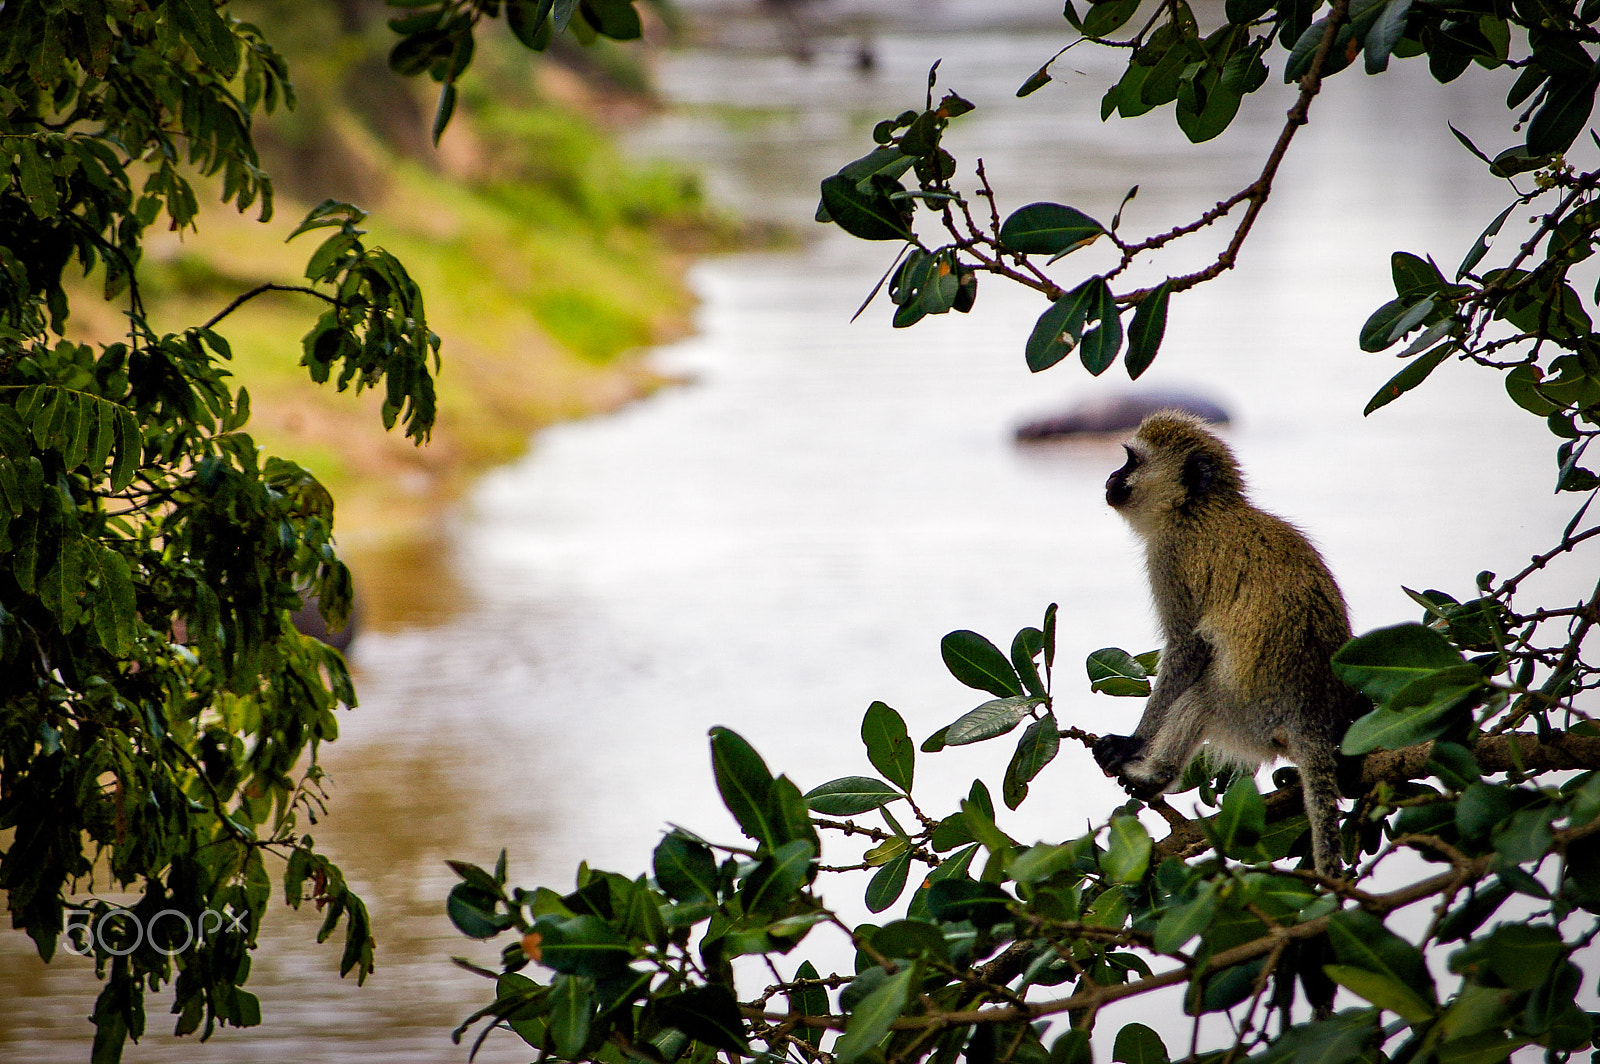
[1251, 617]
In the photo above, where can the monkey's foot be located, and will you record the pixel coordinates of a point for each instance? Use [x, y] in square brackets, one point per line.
[1112, 752]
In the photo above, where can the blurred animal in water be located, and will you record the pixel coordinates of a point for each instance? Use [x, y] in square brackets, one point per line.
[1119, 413]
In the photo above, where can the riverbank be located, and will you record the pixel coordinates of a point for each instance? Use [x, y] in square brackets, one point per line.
[549, 262]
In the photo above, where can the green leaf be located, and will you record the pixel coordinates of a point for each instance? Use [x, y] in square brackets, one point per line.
[1072, 1048]
[1146, 330]
[909, 939]
[1381, 662]
[808, 1001]
[525, 18]
[114, 611]
[442, 112]
[1241, 820]
[1522, 955]
[1108, 17]
[1128, 849]
[582, 945]
[1048, 229]
[1025, 650]
[1058, 329]
[1184, 921]
[1384, 729]
[746, 786]
[1481, 247]
[685, 869]
[850, 795]
[1036, 749]
[1138, 1044]
[1485, 1047]
[774, 883]
[571, 1008]
[473, 911]
[130, 450]
[1558, 121]
[1114, 671]
[889, 746]
[1098, 347]
[1382, 990]
[888, 883]
[978, 663]
[995, 717]
[867, 214]
[1360, 940]
[872, 1017]
[1522, 386]
[1039, 862]
[1036, 81]
[709, 1014]
[1414, 374]
[1385, 34]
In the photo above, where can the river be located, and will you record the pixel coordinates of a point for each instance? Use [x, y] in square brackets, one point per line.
[786, 537]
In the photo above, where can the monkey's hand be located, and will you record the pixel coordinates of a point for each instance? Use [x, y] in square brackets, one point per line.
[1119, 756]
[1111, 752]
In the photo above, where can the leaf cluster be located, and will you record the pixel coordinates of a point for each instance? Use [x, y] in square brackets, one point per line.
[1009, 951]
[159, 715]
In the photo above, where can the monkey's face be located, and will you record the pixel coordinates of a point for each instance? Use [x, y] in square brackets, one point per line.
[1119, 489]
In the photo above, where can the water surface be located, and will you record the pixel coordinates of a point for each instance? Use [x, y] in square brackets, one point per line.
[785, 538]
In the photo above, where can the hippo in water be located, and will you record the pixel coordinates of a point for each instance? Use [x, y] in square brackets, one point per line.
[1119, 414]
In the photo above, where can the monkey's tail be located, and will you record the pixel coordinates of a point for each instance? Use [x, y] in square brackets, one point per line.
[1319, 781]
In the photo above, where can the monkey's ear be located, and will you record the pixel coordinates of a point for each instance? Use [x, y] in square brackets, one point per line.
[1199, 473]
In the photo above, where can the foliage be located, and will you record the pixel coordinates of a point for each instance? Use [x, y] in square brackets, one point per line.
[1475, 776]
[159, 716]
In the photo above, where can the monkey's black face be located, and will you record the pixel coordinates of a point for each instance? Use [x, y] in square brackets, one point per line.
[1118, 490]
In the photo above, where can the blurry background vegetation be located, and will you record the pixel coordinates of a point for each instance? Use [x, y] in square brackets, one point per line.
[549, 261]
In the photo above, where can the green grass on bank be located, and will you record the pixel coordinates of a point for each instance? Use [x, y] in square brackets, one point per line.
[548, 260]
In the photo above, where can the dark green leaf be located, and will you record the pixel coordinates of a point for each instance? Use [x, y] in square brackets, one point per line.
[1241, 820]
[1138, 1044]
[868, 215]
[1128, 849]
[1146, 330]
[745, 784]
[889, 747]
[571, 1008]
[1182, 922]
[1360, 940]
[995, 717]
[772, 886]
[1048, 229]
[1025, 651]
[1558, 121]
[850, 795]
[1383, 661]
[1036, 749]
[582, 945]
[1414, 374]
[685, 869]
[1058, 329]
[888, 883]
[978, 663]
[871, 1019]
[1114, 671]
[1098, 346]
[1385, 34]
[708, 1014]
[1382, 990]
[1040, 862]
[808, 1001]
